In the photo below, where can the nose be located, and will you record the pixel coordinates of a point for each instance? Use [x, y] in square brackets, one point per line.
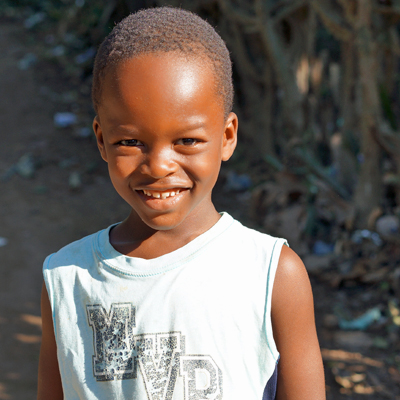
[159, 163]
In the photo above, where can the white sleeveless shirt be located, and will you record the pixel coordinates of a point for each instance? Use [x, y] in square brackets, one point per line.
[193, 324]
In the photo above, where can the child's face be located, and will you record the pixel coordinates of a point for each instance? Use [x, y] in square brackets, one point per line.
[161, 129]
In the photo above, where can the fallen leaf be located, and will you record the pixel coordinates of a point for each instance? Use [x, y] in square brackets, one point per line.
[347, 356]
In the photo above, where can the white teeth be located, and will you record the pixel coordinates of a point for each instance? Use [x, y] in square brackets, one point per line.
[160, 195]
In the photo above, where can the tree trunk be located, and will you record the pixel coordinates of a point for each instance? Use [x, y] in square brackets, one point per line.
[292, 99]
[369, 188]
[348, 111]
[255, 87]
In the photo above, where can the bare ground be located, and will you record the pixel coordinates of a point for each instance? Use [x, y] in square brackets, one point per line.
[41, 214]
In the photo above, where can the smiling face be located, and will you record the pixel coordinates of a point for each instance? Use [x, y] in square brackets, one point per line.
[161, 129]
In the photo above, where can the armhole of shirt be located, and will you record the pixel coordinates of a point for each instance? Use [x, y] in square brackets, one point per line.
[50, 290]
[272, 267]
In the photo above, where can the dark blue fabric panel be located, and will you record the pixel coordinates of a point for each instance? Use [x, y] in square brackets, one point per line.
[270, 388]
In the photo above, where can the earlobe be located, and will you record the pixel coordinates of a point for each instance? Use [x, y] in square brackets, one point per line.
[99, 136]
[230, 136]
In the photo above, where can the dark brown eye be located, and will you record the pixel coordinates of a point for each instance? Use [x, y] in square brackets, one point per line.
[130, 142]
[187, 141]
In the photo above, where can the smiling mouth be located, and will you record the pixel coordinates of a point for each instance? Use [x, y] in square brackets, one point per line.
[154, 194]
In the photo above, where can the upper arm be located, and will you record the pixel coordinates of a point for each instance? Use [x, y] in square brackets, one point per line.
[300, 369]
[49, 380]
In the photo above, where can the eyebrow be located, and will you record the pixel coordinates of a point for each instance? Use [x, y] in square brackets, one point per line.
[188, 127]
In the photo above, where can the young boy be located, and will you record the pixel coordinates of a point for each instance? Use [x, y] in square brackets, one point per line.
[177, 301]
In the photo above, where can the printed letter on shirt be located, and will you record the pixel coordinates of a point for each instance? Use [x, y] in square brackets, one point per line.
[203, 378]
[158, 358]
[112, 337]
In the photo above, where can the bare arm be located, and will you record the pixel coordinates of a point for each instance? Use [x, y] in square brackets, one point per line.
[49, 380]
[300, 369]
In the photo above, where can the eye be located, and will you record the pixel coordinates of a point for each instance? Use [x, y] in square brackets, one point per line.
[187, 142]
[130, 142]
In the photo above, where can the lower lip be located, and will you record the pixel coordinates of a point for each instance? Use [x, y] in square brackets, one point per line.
[161, 204]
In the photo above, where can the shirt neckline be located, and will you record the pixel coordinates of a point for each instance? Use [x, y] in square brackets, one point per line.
[121, 264]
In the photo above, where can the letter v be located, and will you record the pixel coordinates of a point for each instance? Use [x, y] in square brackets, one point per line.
[158, 359]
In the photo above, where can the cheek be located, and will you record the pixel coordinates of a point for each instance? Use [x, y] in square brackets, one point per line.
[120, 175]
[207, 168]
[121, 167]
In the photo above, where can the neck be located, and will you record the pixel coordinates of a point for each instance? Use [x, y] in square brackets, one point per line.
[135, 239]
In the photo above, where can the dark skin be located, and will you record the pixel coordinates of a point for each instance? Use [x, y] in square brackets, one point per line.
[163, 141]
[164, 149]
[300, 368]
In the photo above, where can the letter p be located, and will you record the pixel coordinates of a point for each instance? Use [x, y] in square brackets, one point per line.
[202, 377]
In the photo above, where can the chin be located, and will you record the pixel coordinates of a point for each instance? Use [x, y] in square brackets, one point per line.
[161, 223]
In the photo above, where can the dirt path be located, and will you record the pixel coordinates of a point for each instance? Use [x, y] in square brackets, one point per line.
[37, 215]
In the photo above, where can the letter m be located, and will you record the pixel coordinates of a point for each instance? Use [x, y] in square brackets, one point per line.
[112, 340]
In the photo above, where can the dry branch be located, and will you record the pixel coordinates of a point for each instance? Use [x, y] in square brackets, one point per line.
[243, 62]
[390, 142]
[289, 9]
[390, 11]
[233, 14]
[332, 20]
[349, 8]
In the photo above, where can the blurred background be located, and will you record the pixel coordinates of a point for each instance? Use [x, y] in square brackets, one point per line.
[318, 162]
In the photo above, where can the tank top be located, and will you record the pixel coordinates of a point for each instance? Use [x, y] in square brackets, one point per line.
[193, 324]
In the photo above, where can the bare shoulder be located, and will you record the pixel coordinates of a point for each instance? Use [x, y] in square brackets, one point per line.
[291, 274]
[289, 261]
[292, 300]
[300, 370]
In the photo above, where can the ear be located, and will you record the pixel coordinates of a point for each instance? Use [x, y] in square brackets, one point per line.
[99, 136]
[230, 136]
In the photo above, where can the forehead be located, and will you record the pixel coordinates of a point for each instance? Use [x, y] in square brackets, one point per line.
[166, 82]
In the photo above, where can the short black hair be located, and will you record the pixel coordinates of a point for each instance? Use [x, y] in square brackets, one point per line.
[165, 29]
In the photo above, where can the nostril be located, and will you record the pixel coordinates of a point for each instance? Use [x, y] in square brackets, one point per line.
[159, 166]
